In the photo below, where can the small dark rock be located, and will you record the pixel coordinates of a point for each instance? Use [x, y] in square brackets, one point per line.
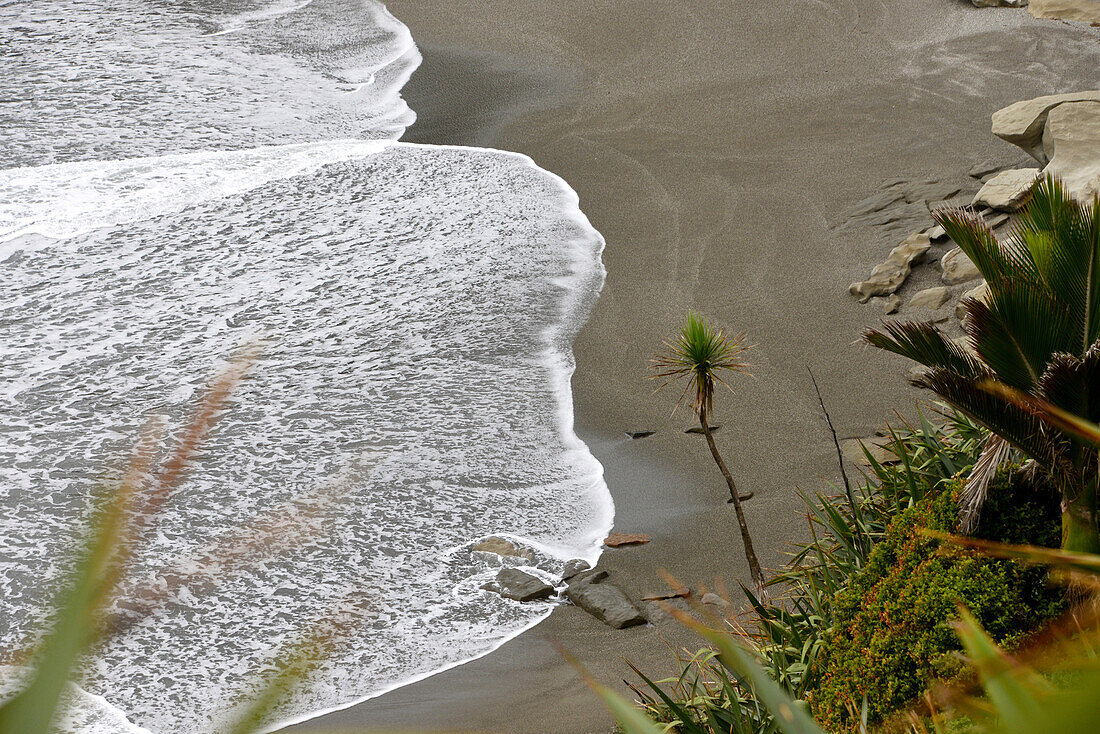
[697, 429]
[640, 434]
[511, 583]
[573, 567]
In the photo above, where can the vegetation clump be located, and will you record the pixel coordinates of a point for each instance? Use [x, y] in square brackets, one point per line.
[890, 634]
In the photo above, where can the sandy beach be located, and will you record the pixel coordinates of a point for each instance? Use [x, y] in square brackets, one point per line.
[719, 147]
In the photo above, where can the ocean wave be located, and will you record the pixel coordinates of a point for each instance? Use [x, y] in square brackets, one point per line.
[418, 304]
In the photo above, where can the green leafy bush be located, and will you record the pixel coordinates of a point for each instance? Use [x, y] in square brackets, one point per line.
[890, 633]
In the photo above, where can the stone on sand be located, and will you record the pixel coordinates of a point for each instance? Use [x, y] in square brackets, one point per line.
[998, 3]
[1022, 123]
[1008, 190]
[958, 268]
[888, 277]
[1085, 11]
[1071, 140]
[616, 540]
[714, 600]
[604, 601]
[889, 304]
[511, 583]
[930, 298]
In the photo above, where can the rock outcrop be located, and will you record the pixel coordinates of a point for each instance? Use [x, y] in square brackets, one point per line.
[890, 304]
[888, 277]
[603, 600]
[1022, 123]
[1085, 11]
[1071, 140]
[511, 583]
[1008, 190]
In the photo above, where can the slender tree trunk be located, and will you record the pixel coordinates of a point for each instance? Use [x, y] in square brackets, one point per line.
[1079, 522]
[735, 500]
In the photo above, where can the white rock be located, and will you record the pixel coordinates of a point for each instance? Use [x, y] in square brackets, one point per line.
[1008, 190]
[930, 298]
[1022, 123]
[888, 277]
[958, 268]
[1086, 11]
[1071, 140]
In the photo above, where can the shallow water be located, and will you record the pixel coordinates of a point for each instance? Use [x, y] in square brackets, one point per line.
[415, 305]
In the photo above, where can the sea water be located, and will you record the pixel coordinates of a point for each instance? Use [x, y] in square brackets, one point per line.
[180, 178]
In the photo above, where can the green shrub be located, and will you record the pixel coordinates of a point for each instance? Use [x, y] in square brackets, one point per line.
[891, 635]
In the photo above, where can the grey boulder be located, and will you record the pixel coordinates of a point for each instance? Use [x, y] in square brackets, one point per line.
[573, 567]
[511, 583]
[604, 601]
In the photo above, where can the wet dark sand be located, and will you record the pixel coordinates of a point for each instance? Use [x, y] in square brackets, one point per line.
[716, 145]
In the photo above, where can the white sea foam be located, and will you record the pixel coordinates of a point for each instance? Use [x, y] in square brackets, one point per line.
[417, 304]
[67, 199]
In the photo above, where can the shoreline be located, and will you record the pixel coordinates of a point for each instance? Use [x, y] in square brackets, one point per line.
[669, 201]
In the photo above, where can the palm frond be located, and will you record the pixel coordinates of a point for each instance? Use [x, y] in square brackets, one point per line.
[1006, 333]
[1017, 426]
[924, 343]
[968, 230]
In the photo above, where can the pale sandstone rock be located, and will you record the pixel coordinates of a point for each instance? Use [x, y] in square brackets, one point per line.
[936, 233]
[1071, 140]
[1022, 123]
[1008, 190]
[889, 304]
[1085, 11]
[888, 277]
[958, 268]
[980, 293]
[930, 298]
